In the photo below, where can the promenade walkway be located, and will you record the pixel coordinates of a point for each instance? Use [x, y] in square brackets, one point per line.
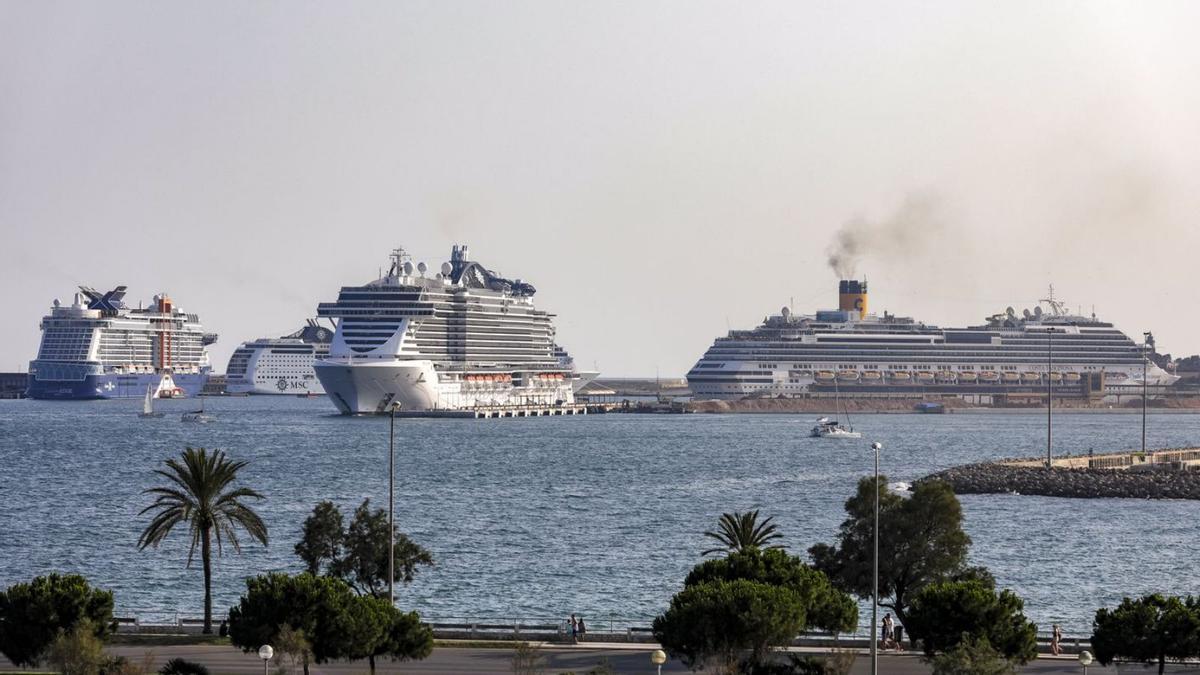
[624, 658]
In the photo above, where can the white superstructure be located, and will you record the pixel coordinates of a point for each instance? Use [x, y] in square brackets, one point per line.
[281, 365]
[460, 338]
[859, 354]
[98, 347]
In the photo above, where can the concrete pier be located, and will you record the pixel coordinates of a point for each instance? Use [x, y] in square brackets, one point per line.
[496, 412]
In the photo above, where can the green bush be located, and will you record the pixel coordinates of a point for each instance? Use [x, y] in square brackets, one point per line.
[33, 615]
[971, 656]
[180, 666]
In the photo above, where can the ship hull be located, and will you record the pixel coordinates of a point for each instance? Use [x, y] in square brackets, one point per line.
[107, 386]
[366, 388]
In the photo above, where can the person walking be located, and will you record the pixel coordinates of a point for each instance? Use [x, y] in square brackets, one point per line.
[582, 628]
[574, 630]
[886, 634]
[1055, 640]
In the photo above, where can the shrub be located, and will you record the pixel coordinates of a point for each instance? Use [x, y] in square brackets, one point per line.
[33, 615]
[181, 666]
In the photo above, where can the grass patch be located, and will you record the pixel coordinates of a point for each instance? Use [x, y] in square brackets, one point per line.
[152, 640]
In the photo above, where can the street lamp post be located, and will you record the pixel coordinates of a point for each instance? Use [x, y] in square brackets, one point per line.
[392, 504]
[876, 447]
[658, 657]
[1085, 660]
[265, 653]
[1049, 396]
[1146, 347]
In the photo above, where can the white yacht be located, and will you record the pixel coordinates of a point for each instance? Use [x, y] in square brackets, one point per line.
[459, 338]
[281, 365]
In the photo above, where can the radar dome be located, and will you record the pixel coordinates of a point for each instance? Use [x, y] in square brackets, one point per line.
[785, 312]
[447, 268]
[421, 267]
[408, 268]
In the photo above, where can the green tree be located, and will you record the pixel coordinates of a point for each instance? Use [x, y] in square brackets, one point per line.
[336, 622]
[742, 531]
[358, 554]
[324, 532]
[921, 541]
[714, 623]
[33, 615]
[946, 613]
[826, 607]
[201, 493]
[972, 656]
[1150, 629]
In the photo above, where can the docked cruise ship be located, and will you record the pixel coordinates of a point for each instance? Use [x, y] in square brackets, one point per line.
[855, 353]
[281, 365]
[103, 349]
[460, 338]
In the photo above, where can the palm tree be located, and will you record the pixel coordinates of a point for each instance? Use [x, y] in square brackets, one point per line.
[200, 493]
[741, 531]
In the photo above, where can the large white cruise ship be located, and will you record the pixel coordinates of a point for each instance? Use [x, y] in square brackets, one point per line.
[852, 352]
[281, 365]
[97, 347]
[460, 338]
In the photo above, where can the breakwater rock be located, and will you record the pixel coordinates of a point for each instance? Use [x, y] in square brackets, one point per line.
[998, 478]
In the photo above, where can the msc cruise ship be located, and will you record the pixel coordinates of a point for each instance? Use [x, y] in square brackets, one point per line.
[852, 352]
[459, 338]
[103, 349]
[279, 365]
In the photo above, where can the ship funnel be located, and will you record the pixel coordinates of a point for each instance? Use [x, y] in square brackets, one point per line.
[852, 296]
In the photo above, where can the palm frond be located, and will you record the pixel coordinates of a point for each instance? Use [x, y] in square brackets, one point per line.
[742, 531]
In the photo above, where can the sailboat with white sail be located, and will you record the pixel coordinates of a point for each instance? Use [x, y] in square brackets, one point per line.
[148, 404]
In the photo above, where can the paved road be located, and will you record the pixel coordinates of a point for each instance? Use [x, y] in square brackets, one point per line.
[559, 659]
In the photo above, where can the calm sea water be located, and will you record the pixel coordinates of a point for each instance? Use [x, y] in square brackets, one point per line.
[535, 518]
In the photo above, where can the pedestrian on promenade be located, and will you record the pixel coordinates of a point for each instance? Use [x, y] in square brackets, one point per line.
[574, 630]
[886, 633]
[1055, 640]
[582, 628]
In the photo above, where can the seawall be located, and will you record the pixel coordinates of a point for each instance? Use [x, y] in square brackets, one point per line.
[1167, 474]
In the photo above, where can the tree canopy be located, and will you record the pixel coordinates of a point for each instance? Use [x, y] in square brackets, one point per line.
[1150, 629]
[752, 600]
[825, 607]
[921, 541]
[947, 613]
[358, 554]
[33, 615]
[742, 531]
[713, 623]
[336, 622]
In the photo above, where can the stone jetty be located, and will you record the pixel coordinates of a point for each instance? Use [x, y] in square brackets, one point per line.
[1161, 474]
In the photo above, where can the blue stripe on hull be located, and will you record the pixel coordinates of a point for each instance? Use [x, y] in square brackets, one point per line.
[111, 386]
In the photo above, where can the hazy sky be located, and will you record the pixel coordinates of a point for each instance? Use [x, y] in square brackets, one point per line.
[661, 171]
